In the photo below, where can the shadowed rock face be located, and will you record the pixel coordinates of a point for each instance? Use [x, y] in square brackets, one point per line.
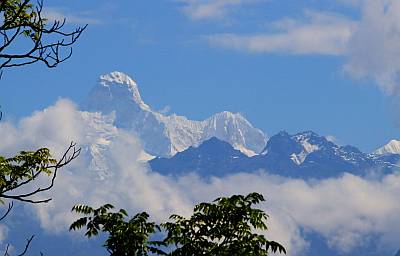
[303, 155]
[165, 135]
[205, 160]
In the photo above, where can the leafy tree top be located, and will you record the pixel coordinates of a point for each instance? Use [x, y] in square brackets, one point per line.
[224, 227]
[227, 226]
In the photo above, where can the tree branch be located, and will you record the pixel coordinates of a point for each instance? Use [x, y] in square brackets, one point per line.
[23, 20]
[70, 154]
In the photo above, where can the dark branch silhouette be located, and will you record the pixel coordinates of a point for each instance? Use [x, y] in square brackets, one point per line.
[10, 206]
[23, 24]
[28, 243]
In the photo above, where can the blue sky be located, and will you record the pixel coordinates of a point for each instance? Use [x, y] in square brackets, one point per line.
[327, 66]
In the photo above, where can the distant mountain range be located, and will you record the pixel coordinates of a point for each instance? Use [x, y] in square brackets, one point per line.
[303, 155]
[222, 144]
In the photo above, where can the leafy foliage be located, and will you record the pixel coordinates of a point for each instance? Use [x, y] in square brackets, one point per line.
[26, 165]
[224, 227]
[19, 171]
[126, 237]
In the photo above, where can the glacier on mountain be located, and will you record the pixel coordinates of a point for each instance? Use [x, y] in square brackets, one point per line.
[164, 135]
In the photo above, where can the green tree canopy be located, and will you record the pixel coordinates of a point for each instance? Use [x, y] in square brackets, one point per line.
[125, 237]
[227, 226]
[224, 227]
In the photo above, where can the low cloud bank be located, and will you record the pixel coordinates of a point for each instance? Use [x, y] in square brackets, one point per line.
[346, 210]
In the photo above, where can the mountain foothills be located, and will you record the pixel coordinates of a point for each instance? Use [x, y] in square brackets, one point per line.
[223, 144]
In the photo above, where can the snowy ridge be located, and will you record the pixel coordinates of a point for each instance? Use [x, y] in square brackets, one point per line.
[393, 147]
[301, 146]
[99, 132]
[165, 135]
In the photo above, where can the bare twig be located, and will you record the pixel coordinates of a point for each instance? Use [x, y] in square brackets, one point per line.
[10, 206]
[25, 20]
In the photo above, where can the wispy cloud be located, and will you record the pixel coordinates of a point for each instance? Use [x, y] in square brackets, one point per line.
[212, 9]
[56, 14]
[374, 49]
[321, 33]
[369, 44]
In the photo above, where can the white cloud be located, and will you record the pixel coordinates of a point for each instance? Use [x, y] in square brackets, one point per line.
[132, 186]
[370, 45]
[345, 210]
[374, 49]
[212, 9]
[322, 33]
[55, 14]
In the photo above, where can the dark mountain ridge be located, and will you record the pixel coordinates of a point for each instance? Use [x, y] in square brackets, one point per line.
[302, 155]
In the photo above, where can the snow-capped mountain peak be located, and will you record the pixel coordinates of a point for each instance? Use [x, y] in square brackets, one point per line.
[299, 146]
[393, 147]
[120, 86]
[119, 78]
[165, 135]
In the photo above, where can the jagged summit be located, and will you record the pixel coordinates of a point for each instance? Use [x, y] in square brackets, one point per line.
[299, 146]
[117, 85]
[117, 77]
[165, 135]
[228, 115]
